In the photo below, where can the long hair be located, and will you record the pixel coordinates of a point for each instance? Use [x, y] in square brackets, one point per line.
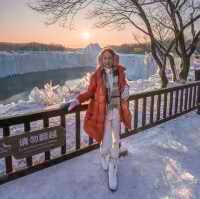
[100, 57]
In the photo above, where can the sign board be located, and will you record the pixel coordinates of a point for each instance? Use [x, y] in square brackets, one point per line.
[32, 143]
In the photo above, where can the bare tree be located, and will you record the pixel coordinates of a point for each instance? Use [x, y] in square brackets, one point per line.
[163, 31]
[185, 18]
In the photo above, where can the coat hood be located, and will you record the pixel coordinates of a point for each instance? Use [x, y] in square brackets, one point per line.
[100, 57]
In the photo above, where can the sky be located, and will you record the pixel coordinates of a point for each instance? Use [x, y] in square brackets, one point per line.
[18, 23]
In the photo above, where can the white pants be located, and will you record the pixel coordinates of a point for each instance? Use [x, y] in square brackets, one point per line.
[110, 143]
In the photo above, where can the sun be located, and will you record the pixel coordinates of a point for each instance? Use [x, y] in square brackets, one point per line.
[85, 35]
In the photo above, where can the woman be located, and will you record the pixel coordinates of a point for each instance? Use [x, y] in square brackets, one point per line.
[108, 92]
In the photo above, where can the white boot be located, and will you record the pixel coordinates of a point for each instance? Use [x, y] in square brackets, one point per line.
[104, 161]
[113, 174]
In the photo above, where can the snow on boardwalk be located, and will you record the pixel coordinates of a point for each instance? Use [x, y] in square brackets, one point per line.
[163, 163]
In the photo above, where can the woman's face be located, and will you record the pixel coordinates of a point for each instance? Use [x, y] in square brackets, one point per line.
[107, 59]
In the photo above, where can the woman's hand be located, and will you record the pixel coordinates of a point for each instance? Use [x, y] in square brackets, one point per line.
[73, 103]
[125, 93]
[70, 104]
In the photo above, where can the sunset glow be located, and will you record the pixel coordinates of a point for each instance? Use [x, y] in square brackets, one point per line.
[85, 35]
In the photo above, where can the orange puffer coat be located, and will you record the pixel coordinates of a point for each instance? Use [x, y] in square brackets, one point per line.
[94, 119]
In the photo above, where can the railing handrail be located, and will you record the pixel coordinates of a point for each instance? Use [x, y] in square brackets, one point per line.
[55, 110]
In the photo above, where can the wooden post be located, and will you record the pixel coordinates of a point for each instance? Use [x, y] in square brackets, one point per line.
[197, 78]
[78, 121]
[27, 128]
[8, 160]
[45, 125]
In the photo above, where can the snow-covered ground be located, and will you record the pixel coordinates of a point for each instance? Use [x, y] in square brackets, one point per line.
[163, 163]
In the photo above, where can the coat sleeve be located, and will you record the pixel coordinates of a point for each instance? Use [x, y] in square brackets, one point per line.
[90, 91]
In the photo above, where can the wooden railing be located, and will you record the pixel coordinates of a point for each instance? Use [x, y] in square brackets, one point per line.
[148, 109]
